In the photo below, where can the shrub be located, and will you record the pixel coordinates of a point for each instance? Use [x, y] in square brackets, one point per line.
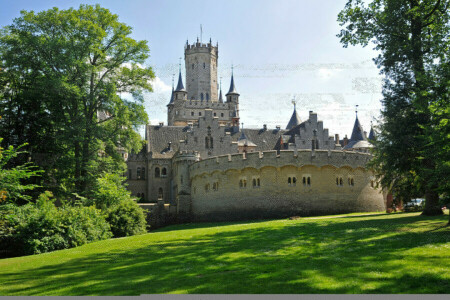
[42, 227]
[108, 191]
[126, 219]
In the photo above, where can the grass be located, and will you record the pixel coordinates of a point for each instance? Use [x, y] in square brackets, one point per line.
[377, 253]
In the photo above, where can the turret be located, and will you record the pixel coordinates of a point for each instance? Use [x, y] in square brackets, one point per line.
[180, 92]
[358, 140]
[295, 119]
[232, 95]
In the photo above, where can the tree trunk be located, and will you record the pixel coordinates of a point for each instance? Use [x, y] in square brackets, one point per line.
[77, 167]
[432, 207]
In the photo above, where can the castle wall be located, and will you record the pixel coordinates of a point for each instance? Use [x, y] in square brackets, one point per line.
[275, 197]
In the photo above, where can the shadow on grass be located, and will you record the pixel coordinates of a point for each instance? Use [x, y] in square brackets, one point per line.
[298, 258]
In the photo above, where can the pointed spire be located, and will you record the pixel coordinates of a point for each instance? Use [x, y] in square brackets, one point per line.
[295, 119]
[244, 140]
[232, 87]
[172, 97]
[180, 86]
[371, 133]
[220, 93]
[358, 132]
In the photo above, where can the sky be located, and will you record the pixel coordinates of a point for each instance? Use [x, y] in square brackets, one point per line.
[279, 49]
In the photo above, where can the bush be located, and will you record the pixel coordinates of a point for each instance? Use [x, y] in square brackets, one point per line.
[42, 227]
[126, 219]
[108, 191]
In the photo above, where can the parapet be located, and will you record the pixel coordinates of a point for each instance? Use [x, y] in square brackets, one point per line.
[299, 158]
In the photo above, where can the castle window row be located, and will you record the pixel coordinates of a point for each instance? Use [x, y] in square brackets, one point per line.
[160, 172]
[340, 181]
[256, 182]
[215, 187]
[292, 181]
[140, 173]
[242, 183]
[306, 180]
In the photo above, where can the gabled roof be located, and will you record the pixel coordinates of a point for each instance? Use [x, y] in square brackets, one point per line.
[294, 121]
[232, 90]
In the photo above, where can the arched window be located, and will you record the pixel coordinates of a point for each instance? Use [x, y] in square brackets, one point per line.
[254, 182]
[289, 181]
[309, 180]
[157, 172]
[304, 180]
[160, 194]
[294, 180]
[143, 173]
[207, 97]
[164, 172]
[201, 96]
[341, 181]
[259, 182]
[245, 183]
[138, 173]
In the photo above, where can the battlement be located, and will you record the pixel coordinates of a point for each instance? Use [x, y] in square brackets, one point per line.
[298, 158]
[200, 48]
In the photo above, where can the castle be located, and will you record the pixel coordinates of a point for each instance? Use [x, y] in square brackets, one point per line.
[203, 166]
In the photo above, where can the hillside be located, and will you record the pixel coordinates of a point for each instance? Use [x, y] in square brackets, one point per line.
[378, 253]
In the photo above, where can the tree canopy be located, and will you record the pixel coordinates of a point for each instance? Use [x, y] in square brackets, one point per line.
[412, 37]
[62, 74]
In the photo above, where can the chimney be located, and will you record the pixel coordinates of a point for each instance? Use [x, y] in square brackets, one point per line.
[265, 127]
[161, 124]
[345, 140]
[278, 127]
[336, 139]
[169, 147]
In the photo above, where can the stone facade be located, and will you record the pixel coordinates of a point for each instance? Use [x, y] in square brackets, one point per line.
[204, 166]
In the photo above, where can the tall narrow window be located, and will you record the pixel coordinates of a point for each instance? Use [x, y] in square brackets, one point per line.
[254, 182]
[289, 181]
[138, 173]
[160, 194]
[294, 180]
[157, 172]
[204, 66]
[309, 180]
[258, 182]
[201, 96]
[207, 97]
[143, 173]
[164, 172]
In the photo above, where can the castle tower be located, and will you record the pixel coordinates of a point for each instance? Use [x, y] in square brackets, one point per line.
[179, 96]
[201, 71]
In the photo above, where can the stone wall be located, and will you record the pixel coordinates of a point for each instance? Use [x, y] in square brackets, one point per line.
[218, 192]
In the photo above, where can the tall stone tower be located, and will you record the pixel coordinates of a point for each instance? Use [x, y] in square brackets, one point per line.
[201, 71]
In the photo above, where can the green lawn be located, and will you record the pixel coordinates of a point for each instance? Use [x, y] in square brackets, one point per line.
[378, 253]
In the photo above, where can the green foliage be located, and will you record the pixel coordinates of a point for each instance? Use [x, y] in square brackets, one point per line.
[12, 179]
[413, 38]
[108, 190]
[62, 74]
[42, 227]
[126, 219]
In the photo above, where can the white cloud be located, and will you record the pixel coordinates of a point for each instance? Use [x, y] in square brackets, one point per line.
[159, 86]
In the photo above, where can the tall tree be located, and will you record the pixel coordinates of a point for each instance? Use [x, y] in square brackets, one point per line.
[61, 74]
[412, 37]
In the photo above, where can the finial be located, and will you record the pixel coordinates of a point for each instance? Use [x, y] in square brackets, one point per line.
[220, 83]
[210, 41]
[201, 33]
[173, 80]
[356, 110]
[179, 64]
[232, 67]
[242, 125]
[294, 102]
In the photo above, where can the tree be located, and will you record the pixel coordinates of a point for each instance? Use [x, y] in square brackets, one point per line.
[13, 185]
[61, 74]
[412, 38]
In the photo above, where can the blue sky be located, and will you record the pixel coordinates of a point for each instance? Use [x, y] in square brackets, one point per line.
[279, 49]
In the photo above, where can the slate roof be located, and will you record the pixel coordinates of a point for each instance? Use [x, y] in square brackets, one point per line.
[180, 86]
[294, 121]
[232, 87]
[358, 138]
[244, 140]
[220, 96]
[171, 98]
[371, 134]
[159, 138]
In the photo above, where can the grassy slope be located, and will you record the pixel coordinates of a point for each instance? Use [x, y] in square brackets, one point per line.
[397, 253]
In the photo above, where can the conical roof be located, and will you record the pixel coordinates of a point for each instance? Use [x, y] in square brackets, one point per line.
[180, 86]
[371, 134]
[358, 132]
[244, 141]
[232, 87]
[294, 121]
[171, 97]
[220, 96]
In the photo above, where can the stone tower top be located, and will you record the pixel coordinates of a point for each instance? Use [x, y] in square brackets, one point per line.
[201, 71]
